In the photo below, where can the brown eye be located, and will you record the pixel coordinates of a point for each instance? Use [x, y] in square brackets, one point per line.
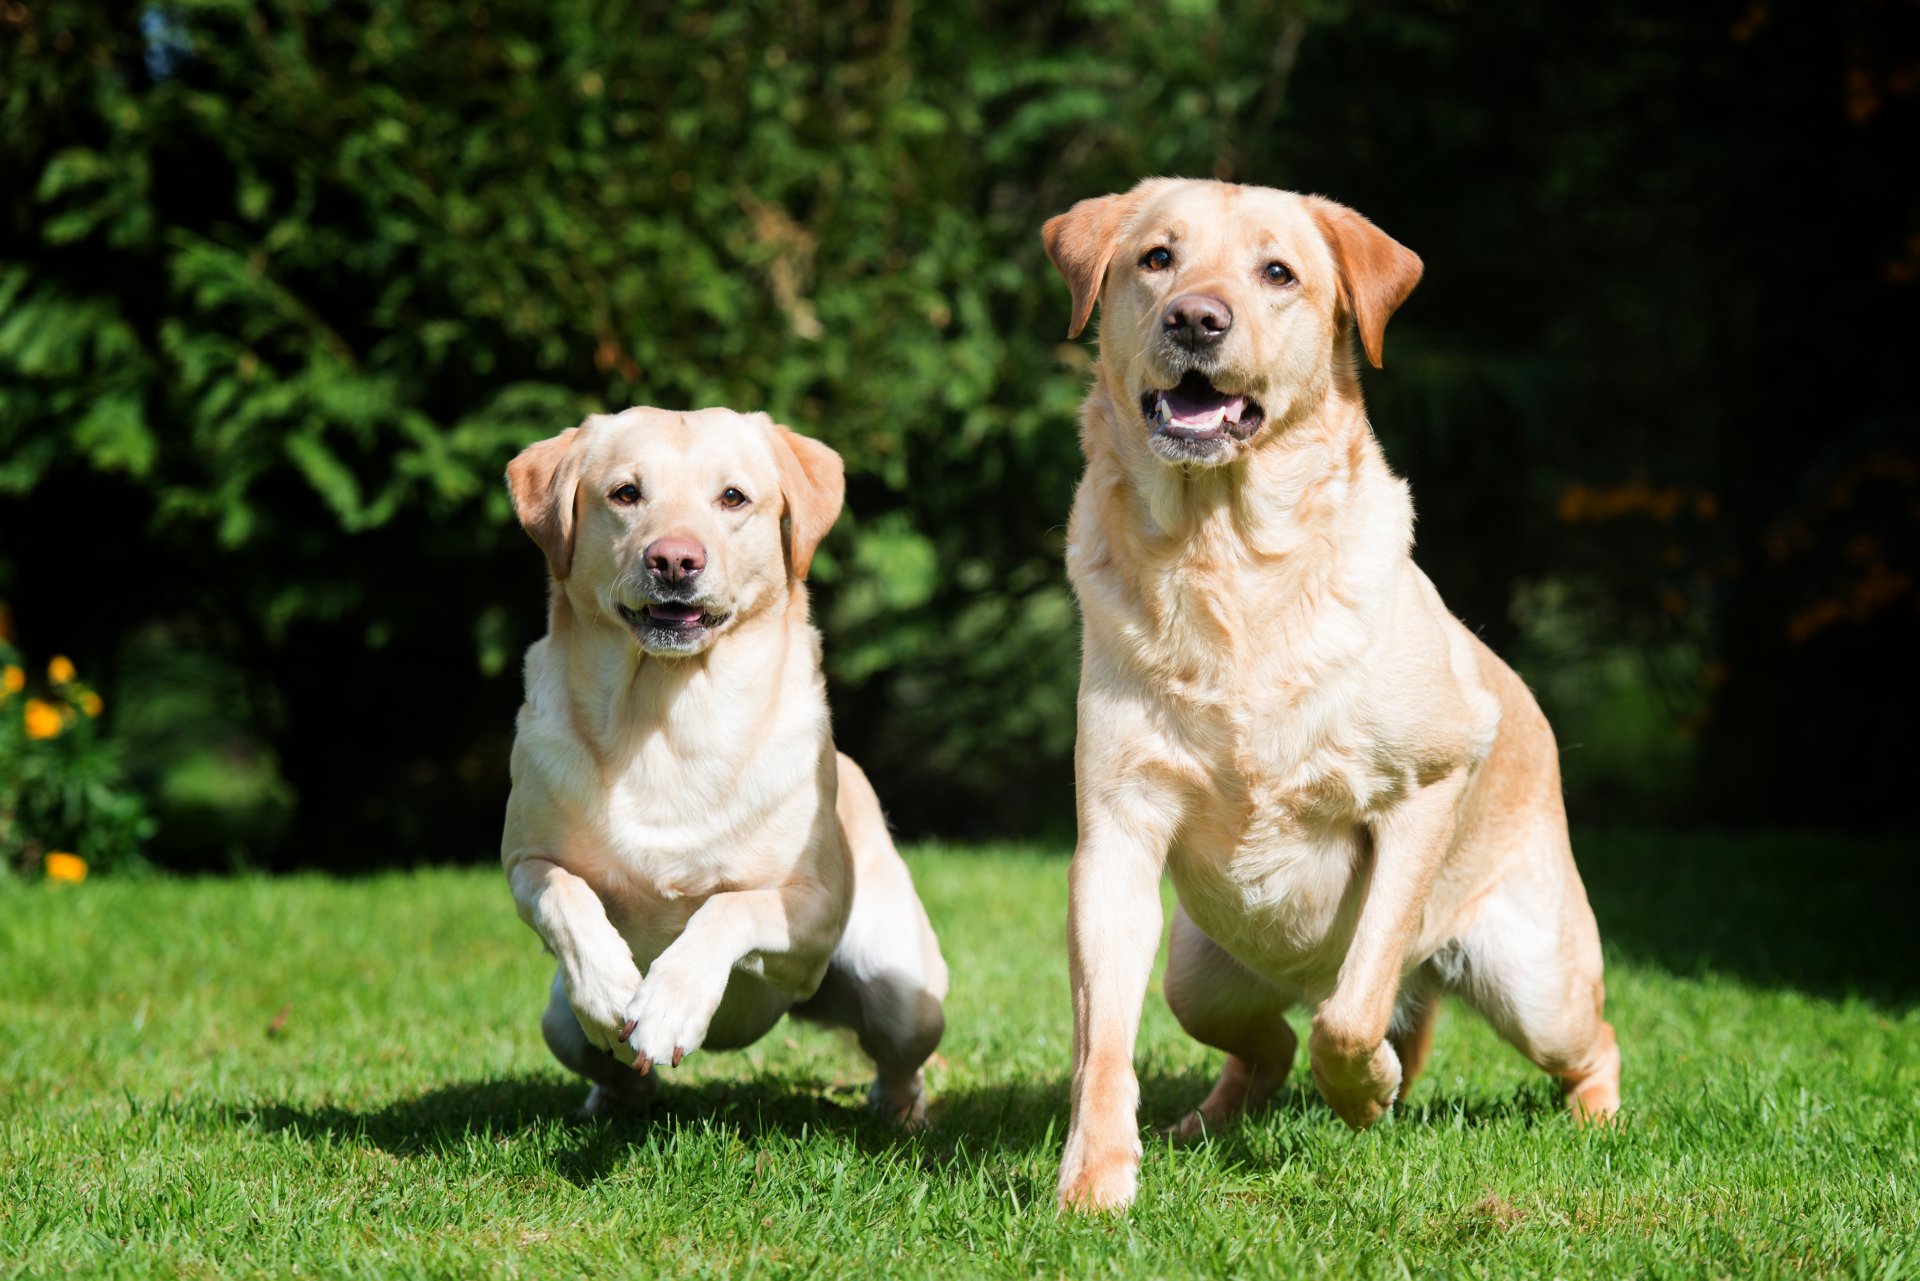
[732, 499]
[625, 496]
[1158, 258]
[1277, 273]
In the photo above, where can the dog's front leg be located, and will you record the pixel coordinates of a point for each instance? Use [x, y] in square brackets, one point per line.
[784, 935]
[595, 962]
[1356, 1069]
[1113, 931]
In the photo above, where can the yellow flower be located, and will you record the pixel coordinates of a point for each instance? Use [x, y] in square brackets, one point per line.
[43, 719]
[66, 867]
[12, 680]
[90, 703]
[60, 669]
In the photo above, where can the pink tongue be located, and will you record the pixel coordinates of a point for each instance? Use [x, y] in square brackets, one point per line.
[674, 613]
[1189, 411]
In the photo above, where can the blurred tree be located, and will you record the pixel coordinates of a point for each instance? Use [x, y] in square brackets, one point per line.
[283, 285]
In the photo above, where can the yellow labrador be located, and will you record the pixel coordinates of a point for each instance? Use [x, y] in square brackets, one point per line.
[1359, 804]
[681, 833]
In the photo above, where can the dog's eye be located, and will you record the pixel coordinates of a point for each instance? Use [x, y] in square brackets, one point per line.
[625, 496]
[732, 499]
[1277, 273]
[1158, 258]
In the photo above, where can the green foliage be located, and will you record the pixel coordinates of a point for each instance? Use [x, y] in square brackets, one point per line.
[321, 281]
[286, 282]
[62, 789]
[251, 1077]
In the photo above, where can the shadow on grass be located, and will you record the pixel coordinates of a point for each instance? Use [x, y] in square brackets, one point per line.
[1025, 1122]
[1828, 916]
[449, 1119]
[1011, 1123]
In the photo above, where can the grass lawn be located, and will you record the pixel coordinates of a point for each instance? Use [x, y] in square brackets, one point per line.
[264, 1077]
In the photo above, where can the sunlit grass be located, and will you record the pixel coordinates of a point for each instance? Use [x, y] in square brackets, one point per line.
[254, 1077]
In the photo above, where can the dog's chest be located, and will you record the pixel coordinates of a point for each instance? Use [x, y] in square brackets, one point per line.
[659, 820]
[1269, 679]
[1280, 894]
[1289, 760]
[684, 824]
[1270, 862]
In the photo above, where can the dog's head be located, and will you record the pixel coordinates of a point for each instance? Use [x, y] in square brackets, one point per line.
[1225, 308]
[678, 527]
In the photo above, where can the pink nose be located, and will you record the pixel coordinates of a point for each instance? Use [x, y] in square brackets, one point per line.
[676, 558]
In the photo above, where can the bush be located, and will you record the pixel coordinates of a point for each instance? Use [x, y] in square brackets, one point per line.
[284, 283]
[65, 805]
[304, 276]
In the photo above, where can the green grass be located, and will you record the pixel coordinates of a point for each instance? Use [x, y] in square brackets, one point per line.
[258, 1077]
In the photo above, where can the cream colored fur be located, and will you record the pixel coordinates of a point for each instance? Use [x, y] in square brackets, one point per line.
[1359, 804]
[681, 833]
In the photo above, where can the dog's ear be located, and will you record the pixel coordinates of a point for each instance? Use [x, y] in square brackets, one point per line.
[813, 480]
[1081, 243]
[1377, 272]
[542, 480]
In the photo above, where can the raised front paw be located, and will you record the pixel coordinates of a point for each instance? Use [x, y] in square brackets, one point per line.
[1359, 1081]
[600, 994]
[668, 1018]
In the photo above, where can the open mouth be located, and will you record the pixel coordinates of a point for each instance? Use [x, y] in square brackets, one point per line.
[1195, 410]
[668, 620]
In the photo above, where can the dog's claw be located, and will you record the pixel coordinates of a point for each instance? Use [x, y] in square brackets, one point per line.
[641, 1064]
[678, 1054]
[626, 1029]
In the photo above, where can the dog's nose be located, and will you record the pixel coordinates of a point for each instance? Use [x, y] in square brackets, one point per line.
[1196, 320]
[676, 558]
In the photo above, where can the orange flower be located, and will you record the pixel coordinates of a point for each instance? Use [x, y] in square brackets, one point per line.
[90, 703]
[60, 669]
[12, 680]
[43, 719]
[61, 866]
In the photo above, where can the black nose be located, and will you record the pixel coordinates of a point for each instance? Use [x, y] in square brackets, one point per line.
[676, 558]
[1197, 320]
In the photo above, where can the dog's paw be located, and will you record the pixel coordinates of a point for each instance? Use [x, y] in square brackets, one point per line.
[1096, 1178]
[903, 1103]
[631, 1097]
[1100, 1187]
[1360, 1084]
[1193, 1127]
[600, 995]
[668, 1018]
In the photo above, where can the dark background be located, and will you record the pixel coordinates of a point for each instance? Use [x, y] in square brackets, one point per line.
[283, 286]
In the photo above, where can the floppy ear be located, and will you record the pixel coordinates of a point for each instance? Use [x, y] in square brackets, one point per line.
[1081, 243]
[1377, 272]
[542, 480]
[813, 481]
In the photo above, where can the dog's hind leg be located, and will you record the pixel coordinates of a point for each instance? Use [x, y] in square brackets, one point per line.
[616, 1086]
[1530, 963]
[897, 1020]
[1412, 1033]
[1223, 1004]
[886, 983]
[887, 979]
